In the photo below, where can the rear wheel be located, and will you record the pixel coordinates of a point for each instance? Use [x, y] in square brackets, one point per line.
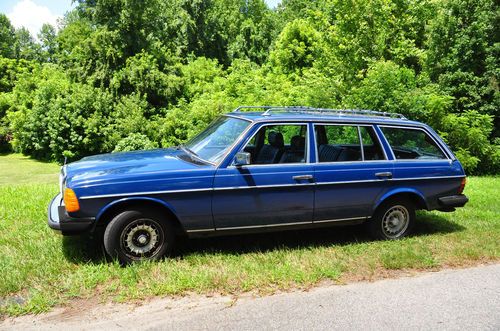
[137, 235]
[393, 219]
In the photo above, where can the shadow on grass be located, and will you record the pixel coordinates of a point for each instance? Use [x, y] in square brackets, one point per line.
[83, 249]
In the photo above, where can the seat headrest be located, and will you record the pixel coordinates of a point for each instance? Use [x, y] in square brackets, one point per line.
[297, 143]
[275, 139]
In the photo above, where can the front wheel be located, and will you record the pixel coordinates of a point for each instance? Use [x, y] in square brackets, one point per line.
[394, 219]
[136, 235]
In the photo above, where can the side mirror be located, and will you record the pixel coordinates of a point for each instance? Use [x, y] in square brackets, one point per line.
[241, 159]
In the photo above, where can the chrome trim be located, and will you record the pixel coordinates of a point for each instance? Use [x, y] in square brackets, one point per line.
[353, 181]
[435, 177]
[307, 151]
[357, 125]
[261, 186]
[280, 224]
[445, 152]
[361, 147]
[342, 219]
[200, 230]
[144, 193]
[388, 179]
[238, 117]
[261, 226]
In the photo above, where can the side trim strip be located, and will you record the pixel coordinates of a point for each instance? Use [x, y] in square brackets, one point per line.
[200, 230]
[261, 226]
[384, 180]
[260, 186]
[342, 219]
[276, 225]
[143, 193]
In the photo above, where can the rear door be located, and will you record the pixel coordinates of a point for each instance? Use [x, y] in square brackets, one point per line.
[351, 171]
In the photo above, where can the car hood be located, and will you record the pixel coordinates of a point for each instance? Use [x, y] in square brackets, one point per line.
[112, 166]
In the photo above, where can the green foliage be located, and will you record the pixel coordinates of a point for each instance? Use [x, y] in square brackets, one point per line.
[134, 142]
[468, 135]
[48, 40]
[297, 47]
[7, 37]
[464, 54]
[391, 88]
[53, 118]
[165, 69]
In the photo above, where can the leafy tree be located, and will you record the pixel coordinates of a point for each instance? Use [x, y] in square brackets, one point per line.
[25, 46]
[464, 54]
[135, 141]
[47, 37]
[7, 37]
[297, 47]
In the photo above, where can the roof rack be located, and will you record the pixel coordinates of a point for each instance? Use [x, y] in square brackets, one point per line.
[312, 110]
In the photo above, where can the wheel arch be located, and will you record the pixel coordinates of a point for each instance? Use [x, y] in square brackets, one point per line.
[113, 208]
[413, 195]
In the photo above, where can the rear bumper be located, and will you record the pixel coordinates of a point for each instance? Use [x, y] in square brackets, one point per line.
[59, 220]
[453, 201]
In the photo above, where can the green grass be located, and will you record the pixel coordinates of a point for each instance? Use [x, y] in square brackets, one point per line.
[20, 169]
[40, 269]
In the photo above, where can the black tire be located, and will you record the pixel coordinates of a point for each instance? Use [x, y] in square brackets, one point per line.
[393, 219]
[138, 235]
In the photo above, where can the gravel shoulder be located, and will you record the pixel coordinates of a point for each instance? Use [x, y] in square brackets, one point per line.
[450, 299]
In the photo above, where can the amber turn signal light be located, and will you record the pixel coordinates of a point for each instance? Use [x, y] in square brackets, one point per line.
[71, 201]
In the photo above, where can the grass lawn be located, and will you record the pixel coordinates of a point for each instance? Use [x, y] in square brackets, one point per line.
[40, 269]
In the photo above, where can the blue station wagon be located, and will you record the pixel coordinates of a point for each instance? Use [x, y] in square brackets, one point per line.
[260, 169]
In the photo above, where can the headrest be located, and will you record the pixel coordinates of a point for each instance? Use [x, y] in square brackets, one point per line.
[297, 143]
[275, 139]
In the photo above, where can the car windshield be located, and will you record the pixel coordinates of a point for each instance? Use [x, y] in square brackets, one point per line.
[211, 144]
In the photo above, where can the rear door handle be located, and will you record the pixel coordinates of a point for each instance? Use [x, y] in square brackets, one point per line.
[387, 174]
[303, 177]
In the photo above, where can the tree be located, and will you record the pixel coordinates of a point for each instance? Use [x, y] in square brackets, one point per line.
[297, 47]
[7, 37]
[25, 46]
[463, 54]
[47, 37]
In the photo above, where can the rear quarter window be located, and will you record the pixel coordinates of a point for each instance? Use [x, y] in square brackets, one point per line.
[409, 144]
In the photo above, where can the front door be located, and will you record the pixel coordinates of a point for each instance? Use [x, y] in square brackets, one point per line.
[276, 189]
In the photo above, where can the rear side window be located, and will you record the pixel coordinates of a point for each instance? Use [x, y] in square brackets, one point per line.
[347, 143]
[409, 144]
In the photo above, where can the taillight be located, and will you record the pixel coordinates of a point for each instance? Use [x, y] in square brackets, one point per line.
[462, 185]
[71, 201]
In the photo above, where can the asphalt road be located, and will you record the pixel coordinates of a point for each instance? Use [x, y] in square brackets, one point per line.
[467, 299]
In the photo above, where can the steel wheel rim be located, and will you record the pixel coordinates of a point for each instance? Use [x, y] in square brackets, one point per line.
[141, 239]
[395, 221]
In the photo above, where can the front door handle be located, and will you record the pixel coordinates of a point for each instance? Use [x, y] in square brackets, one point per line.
[303, 177]
[387, 174]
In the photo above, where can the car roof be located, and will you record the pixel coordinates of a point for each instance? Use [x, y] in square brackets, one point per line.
[277, 114]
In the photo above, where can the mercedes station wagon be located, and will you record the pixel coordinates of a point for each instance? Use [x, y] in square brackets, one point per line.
[259, 169]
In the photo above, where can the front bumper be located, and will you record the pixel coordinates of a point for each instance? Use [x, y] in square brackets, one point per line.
[58, 219]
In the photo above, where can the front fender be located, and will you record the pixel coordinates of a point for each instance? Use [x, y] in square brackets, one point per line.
[124, 201]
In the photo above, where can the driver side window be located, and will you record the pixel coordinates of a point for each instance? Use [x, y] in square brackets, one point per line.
[275, 144]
